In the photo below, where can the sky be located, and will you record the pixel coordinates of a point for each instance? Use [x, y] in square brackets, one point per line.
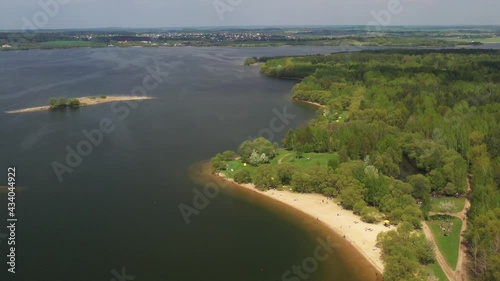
[58, 14]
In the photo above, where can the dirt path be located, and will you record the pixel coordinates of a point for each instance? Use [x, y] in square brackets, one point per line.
[460, 272]
[282, 157]
[450, 273]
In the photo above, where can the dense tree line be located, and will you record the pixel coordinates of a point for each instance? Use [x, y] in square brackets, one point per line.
[438, 109]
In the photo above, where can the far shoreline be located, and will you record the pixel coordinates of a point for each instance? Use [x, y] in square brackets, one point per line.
[85, 101]
[320, 214]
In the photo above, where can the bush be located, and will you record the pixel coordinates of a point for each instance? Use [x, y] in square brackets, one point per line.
[370, 215]
[358, 207]
[74, 103]
[256, 159]
[53, 103]
[285, 173]
[334, 162]
[250, 61]
[243, 176]
[259, 145]
[229, 155]
[217, 163]
[56, 103]
[103, 96]
[266, 177]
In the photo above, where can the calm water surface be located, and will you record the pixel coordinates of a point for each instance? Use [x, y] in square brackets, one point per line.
[118, 208]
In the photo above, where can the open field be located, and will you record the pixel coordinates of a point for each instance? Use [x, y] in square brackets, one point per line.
[66, 44]
[490, 40]
[459, 203]
[448, 245]
[438, 271]
[283, 156]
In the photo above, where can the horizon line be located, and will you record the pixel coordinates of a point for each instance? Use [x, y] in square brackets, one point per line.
[245, 27]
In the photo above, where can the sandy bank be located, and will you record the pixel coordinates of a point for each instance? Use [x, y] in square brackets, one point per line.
[85, 101]
[325, 212]
[331, 214]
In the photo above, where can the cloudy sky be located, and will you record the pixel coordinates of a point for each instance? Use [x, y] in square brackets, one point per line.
[18, 14]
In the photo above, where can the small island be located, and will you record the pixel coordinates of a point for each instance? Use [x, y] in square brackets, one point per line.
[62, 102]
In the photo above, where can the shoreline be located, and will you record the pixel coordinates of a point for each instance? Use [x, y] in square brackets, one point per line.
[309, 102]
[85, 101]
[324, 212]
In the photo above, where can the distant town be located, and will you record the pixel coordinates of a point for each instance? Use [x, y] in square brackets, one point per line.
[245, 37]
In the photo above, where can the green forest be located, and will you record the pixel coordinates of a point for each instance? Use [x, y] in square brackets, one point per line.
[399, 127]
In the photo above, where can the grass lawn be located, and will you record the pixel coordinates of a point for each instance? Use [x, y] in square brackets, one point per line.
[438, 271]
[448, 245]
[490, 40]
[308, 160]
[459, 203]
[66, 44]
[435, 268]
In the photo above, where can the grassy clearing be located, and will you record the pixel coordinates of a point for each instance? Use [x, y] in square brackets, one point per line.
[448, 245]
[66, 44]
[459, 203]
[435, 268]
[308, 160]
[438, 271]
[490, 40]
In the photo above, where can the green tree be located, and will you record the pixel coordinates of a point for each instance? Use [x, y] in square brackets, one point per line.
[370, 215]
[285, 173]
[266, 177]
[56, 103]
[334, 162]
[352, 194]
[259, 145]
[229, 155]
[74, 103]
[421, 185]
[243, 176]
[217, 163]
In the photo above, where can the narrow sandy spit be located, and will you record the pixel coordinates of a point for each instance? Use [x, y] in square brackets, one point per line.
[85, 101]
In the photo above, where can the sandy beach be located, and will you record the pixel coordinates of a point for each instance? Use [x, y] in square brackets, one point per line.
[310, 102]
[343, 222]
[85, 101]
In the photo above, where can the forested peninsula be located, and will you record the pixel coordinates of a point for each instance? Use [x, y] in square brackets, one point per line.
[405, 137]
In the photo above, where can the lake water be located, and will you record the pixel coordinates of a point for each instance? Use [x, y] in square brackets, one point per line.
[118, 209]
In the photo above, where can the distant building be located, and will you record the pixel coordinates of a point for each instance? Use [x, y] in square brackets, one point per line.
[6, 46]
